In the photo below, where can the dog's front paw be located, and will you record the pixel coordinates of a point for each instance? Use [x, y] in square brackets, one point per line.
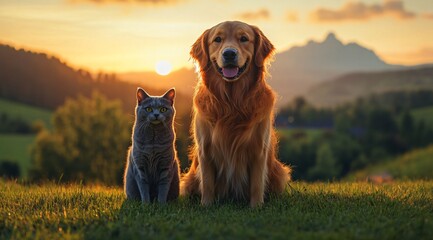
[256, 202]
[206, 201]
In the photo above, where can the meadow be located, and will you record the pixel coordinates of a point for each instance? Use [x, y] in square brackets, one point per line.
[399, 210]
[416, 164]
[425, 114]
[16, 147]
[25, 112]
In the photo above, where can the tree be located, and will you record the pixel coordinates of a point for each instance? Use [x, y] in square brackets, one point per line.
[88, 143]
[326, 164]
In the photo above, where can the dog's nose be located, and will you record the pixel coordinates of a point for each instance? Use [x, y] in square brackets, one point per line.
[230, 54]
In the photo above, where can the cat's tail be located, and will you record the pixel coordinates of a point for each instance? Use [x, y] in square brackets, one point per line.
[190, 182]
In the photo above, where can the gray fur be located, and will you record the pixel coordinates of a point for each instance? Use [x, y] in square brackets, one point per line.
[152, 168]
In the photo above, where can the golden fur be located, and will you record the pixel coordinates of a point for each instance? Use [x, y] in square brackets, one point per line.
[234, 152]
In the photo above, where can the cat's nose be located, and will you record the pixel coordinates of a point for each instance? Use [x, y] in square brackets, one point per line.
[156, 115]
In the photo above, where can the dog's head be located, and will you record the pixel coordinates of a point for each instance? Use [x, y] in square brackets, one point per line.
[232, 48]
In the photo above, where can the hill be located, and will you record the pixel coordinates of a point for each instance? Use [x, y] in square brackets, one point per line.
[45, 81]
[424, 114]
[25, 112]
[308, 211]
[16, 148]
[296, 70]
[416, 164]
[351, 86]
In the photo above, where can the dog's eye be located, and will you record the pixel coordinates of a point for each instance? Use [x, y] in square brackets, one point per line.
[217, 39]
[244, 39]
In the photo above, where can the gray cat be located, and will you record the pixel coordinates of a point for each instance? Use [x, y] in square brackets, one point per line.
[152, 168]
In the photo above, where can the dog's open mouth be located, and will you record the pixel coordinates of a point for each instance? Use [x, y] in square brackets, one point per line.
[231, 72]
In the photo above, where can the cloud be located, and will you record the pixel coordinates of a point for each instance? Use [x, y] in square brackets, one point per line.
[292, 16]
[362, 11]
[150, 2]
[261, 14]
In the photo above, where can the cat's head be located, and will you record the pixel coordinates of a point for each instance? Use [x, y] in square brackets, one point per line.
[155, 109]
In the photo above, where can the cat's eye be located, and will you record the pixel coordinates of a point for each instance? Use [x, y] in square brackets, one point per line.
[148, 109]
[163, 109]
[217, 39]
[244, 39]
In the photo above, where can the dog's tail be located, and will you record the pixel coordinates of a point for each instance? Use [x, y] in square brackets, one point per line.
[278, 173]
[278, 176]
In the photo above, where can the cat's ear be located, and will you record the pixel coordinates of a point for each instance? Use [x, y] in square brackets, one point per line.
[170, 94]
[141, 95]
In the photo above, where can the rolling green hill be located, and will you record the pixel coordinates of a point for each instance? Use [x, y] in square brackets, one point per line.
[424, 114]
[25, 112]
[399, 210]
[416, 164]
[352, 86]
[16, 147]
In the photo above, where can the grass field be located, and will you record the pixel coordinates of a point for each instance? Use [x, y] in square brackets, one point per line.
[16, 148]
[416, 164]
[400, 210]
[25, 112]
[425, 114]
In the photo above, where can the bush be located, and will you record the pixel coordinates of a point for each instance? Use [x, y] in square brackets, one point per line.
[88, 143]
[9, 169]
[9, 124]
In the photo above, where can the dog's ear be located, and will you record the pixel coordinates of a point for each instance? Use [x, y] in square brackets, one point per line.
[263, 47]
[199, 50]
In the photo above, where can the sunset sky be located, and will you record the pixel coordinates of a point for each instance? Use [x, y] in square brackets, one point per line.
[133, 35]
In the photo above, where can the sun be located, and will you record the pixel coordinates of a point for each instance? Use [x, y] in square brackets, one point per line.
[163, 67]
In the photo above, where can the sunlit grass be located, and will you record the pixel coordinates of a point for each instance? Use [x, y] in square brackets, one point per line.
[414, 165]
[400, 210]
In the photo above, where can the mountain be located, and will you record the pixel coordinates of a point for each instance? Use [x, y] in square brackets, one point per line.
[38, 79]
[351, 86]
[293, 72]
[296, 70]
[184, 79]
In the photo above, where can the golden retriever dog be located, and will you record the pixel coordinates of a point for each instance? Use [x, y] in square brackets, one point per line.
[234, 152]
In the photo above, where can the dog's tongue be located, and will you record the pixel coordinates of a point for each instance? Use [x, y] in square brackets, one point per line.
[230, 72]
